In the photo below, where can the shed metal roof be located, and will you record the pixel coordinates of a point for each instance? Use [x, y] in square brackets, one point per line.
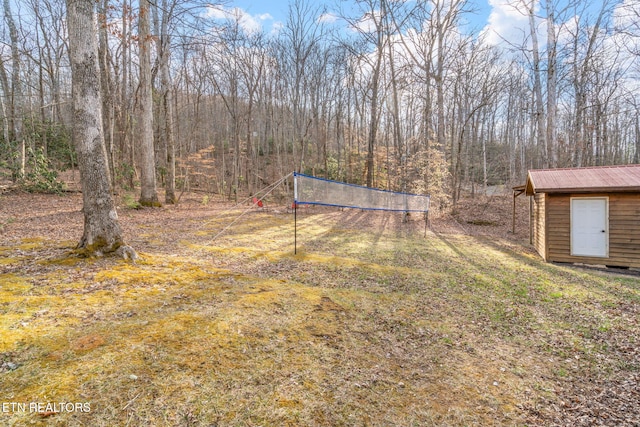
[596, 179]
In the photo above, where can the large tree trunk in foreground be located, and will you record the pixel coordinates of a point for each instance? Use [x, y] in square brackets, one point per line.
[102, 232]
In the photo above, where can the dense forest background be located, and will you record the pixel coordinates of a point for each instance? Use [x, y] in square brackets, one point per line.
[406, 96]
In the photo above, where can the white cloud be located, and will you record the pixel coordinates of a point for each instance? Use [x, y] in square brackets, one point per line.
[277, 27]
[509, 22]
[627, 41]
[250, 24]
[626, 14]
[216, 12]
[367, 23]
[328, 18]
[264, 17]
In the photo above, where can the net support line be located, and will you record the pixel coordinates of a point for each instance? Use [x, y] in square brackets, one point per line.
[269, 188]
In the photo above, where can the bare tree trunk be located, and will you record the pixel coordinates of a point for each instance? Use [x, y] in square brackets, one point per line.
[439, 79]
[102, 232]
[41, 106]
[126, 147]
[397, 131]
[537, 90]
[373, 123]
[378, 38]
[581, 70]
[16, 103]
[552, 82]
[4, 84]
[106, 87]
[148, 193]
[167, 131]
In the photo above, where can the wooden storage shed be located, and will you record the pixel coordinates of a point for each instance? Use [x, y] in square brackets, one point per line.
[586, 215]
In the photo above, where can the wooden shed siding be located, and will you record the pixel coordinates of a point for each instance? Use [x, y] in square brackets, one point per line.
[624, 229]
[539, 216]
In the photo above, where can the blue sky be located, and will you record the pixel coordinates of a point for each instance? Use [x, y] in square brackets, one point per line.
[274, 12]
[499, 20]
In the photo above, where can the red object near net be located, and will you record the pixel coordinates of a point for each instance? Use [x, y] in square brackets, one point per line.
[258, 202]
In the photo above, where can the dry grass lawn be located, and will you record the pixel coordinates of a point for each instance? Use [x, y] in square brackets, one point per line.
[371, 323]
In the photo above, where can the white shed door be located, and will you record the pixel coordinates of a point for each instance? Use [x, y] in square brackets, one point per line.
[589, 227]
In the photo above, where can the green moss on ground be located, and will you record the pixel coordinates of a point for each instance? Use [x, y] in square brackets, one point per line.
[358, 328]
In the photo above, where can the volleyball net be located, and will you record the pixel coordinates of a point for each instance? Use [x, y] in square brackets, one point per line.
[310, 190]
